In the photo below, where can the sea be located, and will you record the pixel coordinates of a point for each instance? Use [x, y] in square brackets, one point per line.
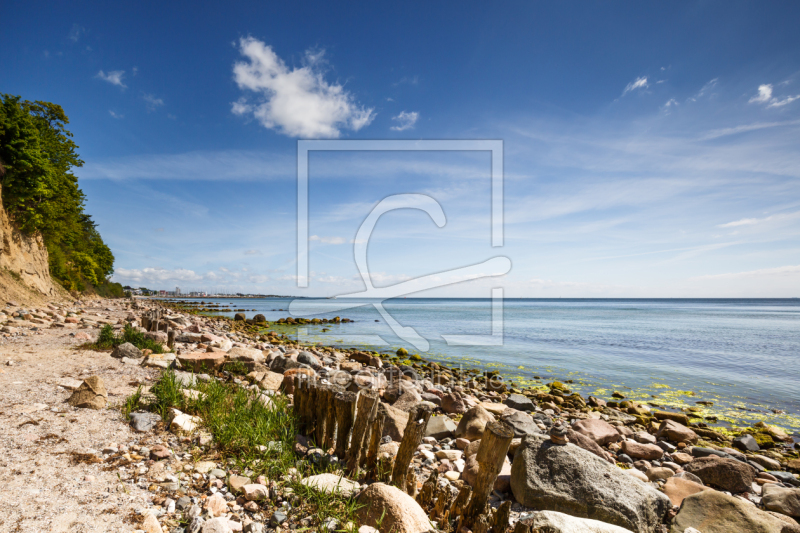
[740, 355]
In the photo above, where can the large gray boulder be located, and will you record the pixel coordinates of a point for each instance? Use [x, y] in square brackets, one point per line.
[781, 499]
[712, 511]
[126, 350]
[521, 423]
[553, 522]
[440, 427]
[473, 423]
[727, 474]
[570, 480]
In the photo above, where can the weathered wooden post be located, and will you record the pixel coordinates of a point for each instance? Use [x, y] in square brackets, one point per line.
[412, 436]
[491, 454]
[367, 402]
[319, 415]
[344, 404]
[171, 339]
[330, 416]
[501, 517]
[375, 442]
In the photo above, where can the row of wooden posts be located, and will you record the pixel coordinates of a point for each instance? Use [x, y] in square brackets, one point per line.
[153, 320]
[351, 424]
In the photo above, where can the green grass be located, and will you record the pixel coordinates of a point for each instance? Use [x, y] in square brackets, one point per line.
[240, 425]
[107, 339]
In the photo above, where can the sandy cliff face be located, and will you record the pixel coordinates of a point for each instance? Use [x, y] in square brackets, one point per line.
[24, 255]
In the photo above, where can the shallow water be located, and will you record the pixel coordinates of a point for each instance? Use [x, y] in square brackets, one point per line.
[744, 355]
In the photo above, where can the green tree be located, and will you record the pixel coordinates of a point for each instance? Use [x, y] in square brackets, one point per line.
[41, 193]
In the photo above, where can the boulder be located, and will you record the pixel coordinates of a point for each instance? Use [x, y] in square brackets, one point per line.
[408, 401]
[676, 432]
[90, 395]
[711, 511]
[553, 522]
[394, 425]
[440, 427]
[271, 381]
[331, 483]
[158, 360]
[681, 418]
[569, 479]
[237, 353]
[454, 403]
[308, 358]
[181, 422]
[582, 441]
[727, 474]
[215, 525]
[142, 421]
[599, 431]
[201, 361]
[746, 443]
[237, 482]
[519, 402]
[521, 423]
[126, 350]
[649, 452]
[259, 318]
[156, 336]
[473, 423]
[390, 509]
[678, 488]
[781, 499]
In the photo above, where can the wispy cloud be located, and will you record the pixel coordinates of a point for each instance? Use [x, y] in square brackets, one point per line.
[252, 252]
[754, 221]
[75, 32]
[722, 132]
[115, 115]
[638, 83]
[297, 102]
[704, 90]
[327, 240]
[764, 96]
[405, 120]
[114, 77]
[789, 270]
[152, 102]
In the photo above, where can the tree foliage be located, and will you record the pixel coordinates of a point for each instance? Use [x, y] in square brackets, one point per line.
[41, 193]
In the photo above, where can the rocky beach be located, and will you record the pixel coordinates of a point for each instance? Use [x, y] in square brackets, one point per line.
[130, 439]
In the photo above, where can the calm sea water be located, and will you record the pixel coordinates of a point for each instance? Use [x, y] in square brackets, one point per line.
[743, 355]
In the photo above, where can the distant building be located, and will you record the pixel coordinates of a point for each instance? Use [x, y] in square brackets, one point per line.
[177, 291]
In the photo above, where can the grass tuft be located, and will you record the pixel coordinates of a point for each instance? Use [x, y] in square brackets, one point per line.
[106, 339]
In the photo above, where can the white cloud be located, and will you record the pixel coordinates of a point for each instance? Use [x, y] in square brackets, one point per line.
[789, 270]
[671, 103]
[780, 103]
[713, 134]
[705, 89]
[115, 115]
[154, 275]
[405, 120]
[252, 252]
[152, 102]
[297, 102]
[764, 94]
[114, 77]
[327, 240]
[638, 83]
[754, 221]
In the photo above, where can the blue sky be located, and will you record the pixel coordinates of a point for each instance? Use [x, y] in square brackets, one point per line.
[649, 150]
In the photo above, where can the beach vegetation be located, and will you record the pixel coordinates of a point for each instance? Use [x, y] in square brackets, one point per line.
[107, 339]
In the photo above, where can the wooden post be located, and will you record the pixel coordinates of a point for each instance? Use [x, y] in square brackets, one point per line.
[460, 503]
[412, 436]
[522, 526]
[444, 499]
[330, 416]
[425, 496]
[501, 517]
[344, 404]
[367, 401]
[298, 402]
[491, 453]
[411, 482]
[171, 339]
[375, 442]
[319, 415]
